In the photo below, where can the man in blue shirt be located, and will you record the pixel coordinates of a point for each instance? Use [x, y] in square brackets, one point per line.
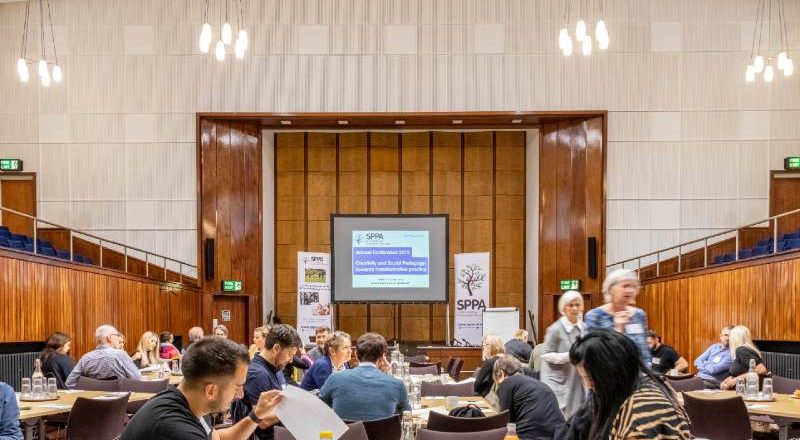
[366, 392]
[712, 366]
[265, 370]
[9, 414]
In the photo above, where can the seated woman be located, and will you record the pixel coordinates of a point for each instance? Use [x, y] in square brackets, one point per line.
[338, 348]
[519, 347]
[628, 400]
[742, 351]
[56, 361]
[147, 352]
[531, 404]
[166, 349]
[493, 349]
[259, 338]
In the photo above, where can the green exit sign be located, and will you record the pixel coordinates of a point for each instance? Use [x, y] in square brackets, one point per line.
[791, 163]
[231, 286]
[570, 285]
[10, 165]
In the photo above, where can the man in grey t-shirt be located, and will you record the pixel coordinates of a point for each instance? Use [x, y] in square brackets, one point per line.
[321, 335]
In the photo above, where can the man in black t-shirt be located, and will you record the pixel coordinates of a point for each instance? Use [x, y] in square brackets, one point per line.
[214, 371]
[664, 357]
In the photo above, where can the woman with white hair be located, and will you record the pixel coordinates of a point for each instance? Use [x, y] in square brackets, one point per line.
[557, 372]
[743, 350]
[619, 290]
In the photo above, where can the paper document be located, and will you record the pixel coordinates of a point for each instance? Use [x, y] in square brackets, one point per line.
[467, 380]
[294, 409]
[56, 406]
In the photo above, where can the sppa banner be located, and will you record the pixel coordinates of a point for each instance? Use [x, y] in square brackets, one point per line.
[472, 295]
[313, 292]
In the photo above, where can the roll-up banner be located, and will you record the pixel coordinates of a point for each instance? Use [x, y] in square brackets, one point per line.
[313, 293]
[472, 295]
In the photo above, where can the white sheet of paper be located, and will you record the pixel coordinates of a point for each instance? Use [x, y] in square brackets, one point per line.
[757, 406]
[294, 409]
[56, 406]
[467, 380]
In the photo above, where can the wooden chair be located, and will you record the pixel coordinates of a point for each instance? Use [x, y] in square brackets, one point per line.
[445, 423]
[97, 419]
[718, 419]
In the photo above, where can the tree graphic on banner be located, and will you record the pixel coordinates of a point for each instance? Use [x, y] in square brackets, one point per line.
[471, 277]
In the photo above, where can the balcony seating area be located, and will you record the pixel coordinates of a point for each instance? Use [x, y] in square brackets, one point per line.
[20, 242]
[786, 242]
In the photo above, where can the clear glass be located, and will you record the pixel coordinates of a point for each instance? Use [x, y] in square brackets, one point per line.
[52, 388]
[26, 387]
[766, 388]
[443, 378]
[450, 402]
[37, 389]
[740, 386]
[511, 432]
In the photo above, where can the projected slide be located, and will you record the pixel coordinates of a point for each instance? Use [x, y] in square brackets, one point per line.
[390, 259]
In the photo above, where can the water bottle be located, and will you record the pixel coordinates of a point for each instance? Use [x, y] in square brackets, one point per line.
[37, 379]
[408, 426]
[511, 432]
[751, 382]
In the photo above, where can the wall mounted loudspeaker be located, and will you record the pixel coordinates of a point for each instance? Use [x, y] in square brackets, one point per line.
[591, 249]
[208, 259]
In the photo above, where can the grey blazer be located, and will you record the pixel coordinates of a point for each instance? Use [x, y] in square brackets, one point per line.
[557, 372]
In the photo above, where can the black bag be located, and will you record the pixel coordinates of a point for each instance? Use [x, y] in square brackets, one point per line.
[467, 411]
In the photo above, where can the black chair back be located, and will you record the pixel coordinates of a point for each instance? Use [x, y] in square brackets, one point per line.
[455, 372]
[382, 429]
[438, 366]
[430, 369]
[141, 386]
[446, 389]
[718, 419]
[691, 384]
[445, 423]
[89, 384]
[783, 385]
[492, 434]
[449, 364]
[97, 419]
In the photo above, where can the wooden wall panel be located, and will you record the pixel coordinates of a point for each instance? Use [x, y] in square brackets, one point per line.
[689, 310]
[229, 157]
[571, 209]
[41, 296]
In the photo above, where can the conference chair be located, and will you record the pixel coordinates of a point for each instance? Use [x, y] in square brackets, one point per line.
[783, 385]
[413, 364]
[449, 364]
[455, 371]
[97, 419]
[382, 429]
[355, 431]
[445, 423]
[430, 369]
[718, 419]
[89, 384]
[446, 389]
[683, 385]
[141, 386]
[492, 434]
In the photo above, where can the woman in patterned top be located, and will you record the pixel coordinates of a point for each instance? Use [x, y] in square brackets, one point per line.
[628, 401]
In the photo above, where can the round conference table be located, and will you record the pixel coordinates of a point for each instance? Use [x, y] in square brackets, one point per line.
[785, 410]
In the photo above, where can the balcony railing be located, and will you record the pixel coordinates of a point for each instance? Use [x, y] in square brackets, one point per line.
[702, 252]
[179, 271]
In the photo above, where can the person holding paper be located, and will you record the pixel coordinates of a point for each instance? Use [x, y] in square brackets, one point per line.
[366, 392]
[214, 371]
[265, 371]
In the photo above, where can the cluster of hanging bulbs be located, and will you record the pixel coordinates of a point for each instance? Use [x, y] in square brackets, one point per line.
[225, 36]
[43, 66]
[759, 63]
[583, 38]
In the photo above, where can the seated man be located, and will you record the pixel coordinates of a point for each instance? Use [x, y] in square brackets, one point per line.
[105, 361]
[713, 365]
[320, 336]
[9, 414]
[664, 357]
[213, 374]
[264, 372]
[366, 392]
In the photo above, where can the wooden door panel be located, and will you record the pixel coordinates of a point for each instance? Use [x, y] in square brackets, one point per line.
[19, 195]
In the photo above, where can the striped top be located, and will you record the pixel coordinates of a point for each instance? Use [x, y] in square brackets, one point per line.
[649, 414]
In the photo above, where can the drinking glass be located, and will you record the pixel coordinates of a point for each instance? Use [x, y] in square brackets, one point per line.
[414, 397]
[443, 377]
[740, 386]
[38, 387]
[450, 402]
[26, 387]
[766, 388]
[52, 388]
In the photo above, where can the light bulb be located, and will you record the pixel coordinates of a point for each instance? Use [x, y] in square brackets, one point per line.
[43, 68]
[243, 38]
[580, 30]
[22, 70]
[46, 78]
[205, 46]
[57, 73]
[586, 45]
[602, 43]
[239, 49]
[227, 33]
[567, 49]
[220, 52]
[599, 29]
[788, 68]
[750, 73]
[758, 63]
[205, 38]
[769, 74]
[563, 36]
[782, 60]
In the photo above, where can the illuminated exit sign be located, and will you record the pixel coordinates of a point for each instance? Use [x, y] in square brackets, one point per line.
[10, 165]
[570, 285]
[231, 286]
[791, 163]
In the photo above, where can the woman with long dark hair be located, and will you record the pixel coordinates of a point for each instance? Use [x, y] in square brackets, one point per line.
[628, 401]
[56, 361]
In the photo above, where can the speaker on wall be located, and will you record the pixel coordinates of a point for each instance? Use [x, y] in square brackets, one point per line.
[208, 258]
[591, 249]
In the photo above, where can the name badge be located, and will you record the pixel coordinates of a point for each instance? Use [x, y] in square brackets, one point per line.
[634, 329]
[716, 359]
[656, 361]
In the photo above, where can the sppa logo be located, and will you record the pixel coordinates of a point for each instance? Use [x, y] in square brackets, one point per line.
[316, 259]
[470, 304]
[358, 238]
[374, 236]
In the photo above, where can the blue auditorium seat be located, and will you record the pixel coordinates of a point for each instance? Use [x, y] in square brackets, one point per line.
[764, 242]
[727, 258]
[793, 243]
[5, 233]
[3, 241]
[19, 237]
[4, 228]
[745, 253]
[719, 259]
[16, 244]
[761, 250]
[64, 255]
[50, 252]
[29, 247]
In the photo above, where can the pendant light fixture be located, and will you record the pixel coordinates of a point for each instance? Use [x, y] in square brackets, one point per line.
[583, 27]
[225, 31]
[762, 59]
[42, 64]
